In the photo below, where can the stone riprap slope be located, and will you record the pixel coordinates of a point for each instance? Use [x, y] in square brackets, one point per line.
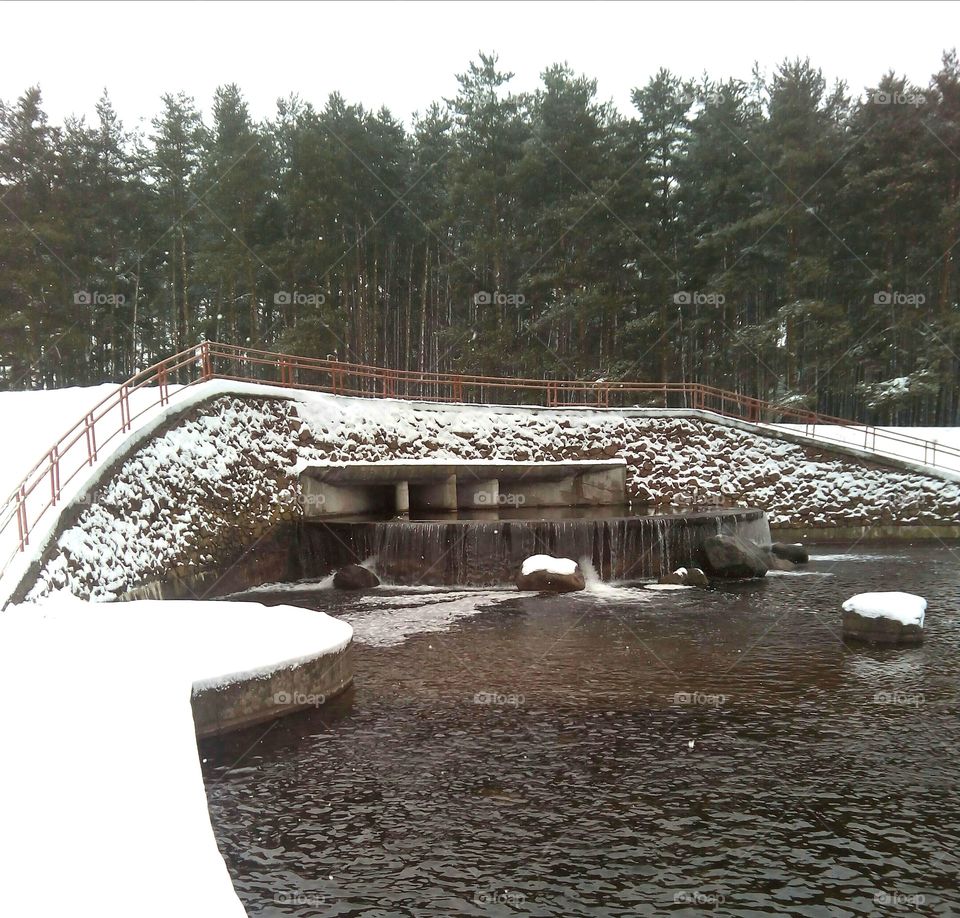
[225, 474]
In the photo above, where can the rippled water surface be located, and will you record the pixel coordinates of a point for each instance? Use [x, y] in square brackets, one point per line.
[614, 752]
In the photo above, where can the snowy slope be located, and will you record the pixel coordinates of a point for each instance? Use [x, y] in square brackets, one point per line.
[37, 419]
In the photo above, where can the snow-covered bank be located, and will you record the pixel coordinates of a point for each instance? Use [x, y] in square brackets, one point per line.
[225, 474]
[103, 802]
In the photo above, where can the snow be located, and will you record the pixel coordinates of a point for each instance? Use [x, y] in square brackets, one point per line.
[889, 441]
[906, 608]
[549, 564]
[178, 496]
[666, 587]
[387, 620]
[101, 789]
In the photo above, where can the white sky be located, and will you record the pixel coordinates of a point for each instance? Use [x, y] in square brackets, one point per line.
[405, 54]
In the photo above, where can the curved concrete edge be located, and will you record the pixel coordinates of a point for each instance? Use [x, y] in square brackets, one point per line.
[259, 698]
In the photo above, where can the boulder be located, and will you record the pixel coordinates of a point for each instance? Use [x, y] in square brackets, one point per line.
[731, 556]
[884, 618]
[545, 574]
[776, 563]
[355, 577]
[686, 576]
[790, 551]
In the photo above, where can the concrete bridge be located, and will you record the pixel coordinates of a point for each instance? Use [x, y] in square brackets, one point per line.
[397, 488]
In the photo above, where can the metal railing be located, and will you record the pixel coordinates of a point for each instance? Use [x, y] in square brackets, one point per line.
[80, 447]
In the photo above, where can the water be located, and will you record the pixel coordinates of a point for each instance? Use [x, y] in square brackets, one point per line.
[490, 552]
[616, 752]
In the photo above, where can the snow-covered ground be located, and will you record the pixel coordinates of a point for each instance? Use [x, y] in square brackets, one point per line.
[102, 796]
[891, 441]
[37, 420]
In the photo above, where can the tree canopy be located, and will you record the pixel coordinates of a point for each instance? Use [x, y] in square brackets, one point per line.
[779, 237]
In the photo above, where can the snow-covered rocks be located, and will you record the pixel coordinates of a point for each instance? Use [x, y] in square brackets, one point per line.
[543, 573]
[189, 500]
[731, 556]
[686, 576]
[885, 618]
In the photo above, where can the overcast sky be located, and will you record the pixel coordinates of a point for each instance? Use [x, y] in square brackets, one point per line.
[406, 54]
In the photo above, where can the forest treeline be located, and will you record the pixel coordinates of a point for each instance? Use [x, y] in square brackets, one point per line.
[777, 236]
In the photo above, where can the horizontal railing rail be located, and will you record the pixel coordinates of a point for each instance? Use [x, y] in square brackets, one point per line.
[83, 444]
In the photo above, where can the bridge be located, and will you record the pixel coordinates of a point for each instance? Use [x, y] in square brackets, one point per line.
[101, 432]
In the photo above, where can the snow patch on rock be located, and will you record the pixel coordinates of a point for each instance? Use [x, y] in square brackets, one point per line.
[906, 608]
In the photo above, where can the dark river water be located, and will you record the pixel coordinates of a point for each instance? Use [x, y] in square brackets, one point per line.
[614, 752]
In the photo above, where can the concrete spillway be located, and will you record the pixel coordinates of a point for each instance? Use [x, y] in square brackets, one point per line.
[490, 552]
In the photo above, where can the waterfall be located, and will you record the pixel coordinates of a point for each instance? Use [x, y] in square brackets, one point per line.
[490, 552]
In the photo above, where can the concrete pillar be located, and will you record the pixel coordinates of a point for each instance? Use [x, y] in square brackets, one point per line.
[602, 487]
[434, 495]
[477, 495]
[402, 498]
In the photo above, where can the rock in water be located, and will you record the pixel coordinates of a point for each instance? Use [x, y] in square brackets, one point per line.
[790, 551]
[731, 556]
[687, 576]
[355, 577]
[884, 618]
[777, 563]
[542, 574]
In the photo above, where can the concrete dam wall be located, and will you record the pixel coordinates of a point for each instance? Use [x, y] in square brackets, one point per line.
[200, 501]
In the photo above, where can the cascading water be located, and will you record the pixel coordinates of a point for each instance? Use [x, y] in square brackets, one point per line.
[489, 552]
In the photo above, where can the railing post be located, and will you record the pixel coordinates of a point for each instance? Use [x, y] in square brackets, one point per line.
[91, 437]
[54, 476]
[22, 526]
[207, 363]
